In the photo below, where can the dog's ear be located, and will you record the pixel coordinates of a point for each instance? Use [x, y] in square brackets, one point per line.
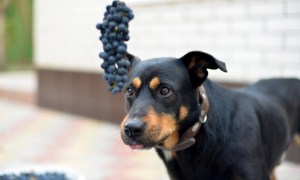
[132, 59]
[197, 63]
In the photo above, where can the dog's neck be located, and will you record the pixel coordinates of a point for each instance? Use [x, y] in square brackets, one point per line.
[187, 139]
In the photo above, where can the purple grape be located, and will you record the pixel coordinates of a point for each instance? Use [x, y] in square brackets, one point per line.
[121, 49]
[114, 32]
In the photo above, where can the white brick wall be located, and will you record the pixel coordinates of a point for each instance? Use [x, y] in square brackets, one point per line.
[256, 39]
[293, 7]
[65, 35]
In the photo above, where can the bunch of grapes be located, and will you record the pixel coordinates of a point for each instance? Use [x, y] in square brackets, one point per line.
[114, 33]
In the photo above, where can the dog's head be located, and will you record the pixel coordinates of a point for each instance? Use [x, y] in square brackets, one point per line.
[161, 94]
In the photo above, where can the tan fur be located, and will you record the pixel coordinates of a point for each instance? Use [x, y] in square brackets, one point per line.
[151, 118]
[169, 127]
[160, 127]
[136, 82]
[153, 125]
[273, 175]
[123, 124]
[154, 83]
[297, 139]
[183, 112]
[171, 141]
[124, 120]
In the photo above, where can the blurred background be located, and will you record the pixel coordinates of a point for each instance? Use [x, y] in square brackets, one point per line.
[54, 105]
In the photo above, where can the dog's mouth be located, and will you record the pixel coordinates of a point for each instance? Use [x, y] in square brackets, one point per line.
[145, 145]
[141, 146]
[137, 146]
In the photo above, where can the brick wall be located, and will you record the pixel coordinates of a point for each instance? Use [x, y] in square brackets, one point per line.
[256, 39]
[65, 35]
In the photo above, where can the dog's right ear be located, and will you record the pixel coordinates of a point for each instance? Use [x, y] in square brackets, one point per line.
[132, 59]
[197, 63]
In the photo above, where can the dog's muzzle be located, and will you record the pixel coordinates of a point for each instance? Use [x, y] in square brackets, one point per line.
[134, 128]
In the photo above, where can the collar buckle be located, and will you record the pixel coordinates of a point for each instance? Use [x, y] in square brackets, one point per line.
[203, 120]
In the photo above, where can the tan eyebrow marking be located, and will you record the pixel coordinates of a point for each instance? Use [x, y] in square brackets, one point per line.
[154, 83]
[136, 82]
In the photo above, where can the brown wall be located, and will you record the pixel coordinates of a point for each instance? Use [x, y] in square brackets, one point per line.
[79, 93]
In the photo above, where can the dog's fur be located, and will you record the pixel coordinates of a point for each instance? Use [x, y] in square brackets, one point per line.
[246, 132]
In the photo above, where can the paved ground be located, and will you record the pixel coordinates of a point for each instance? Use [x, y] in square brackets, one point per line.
[24, 82]
[33, 136]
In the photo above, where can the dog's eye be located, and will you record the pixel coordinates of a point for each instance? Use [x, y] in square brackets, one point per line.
[129, 92]
[164, 91]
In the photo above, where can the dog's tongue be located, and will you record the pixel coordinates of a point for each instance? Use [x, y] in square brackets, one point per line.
[137, 146]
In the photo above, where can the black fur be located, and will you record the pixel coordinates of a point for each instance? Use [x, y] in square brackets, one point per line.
[247, 129]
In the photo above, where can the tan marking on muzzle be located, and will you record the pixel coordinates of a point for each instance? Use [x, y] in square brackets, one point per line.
[171, 141]
[136, 82]
[165, 126]
[183, 112]
[154, 83]
[152, 118]
[153, 126]
[169, 127]
[124, 121]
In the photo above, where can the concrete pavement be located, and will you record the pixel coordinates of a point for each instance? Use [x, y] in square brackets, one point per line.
[32, 136]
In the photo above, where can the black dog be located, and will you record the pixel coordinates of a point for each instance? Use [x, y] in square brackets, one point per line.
[202, 130]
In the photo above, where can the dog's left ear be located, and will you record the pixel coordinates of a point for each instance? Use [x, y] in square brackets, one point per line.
[197, 63]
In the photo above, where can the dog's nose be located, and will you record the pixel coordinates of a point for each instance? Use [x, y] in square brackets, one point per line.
[134, 128]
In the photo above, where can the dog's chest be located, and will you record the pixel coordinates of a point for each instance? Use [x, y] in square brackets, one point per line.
[185, 166]
[168, 155]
